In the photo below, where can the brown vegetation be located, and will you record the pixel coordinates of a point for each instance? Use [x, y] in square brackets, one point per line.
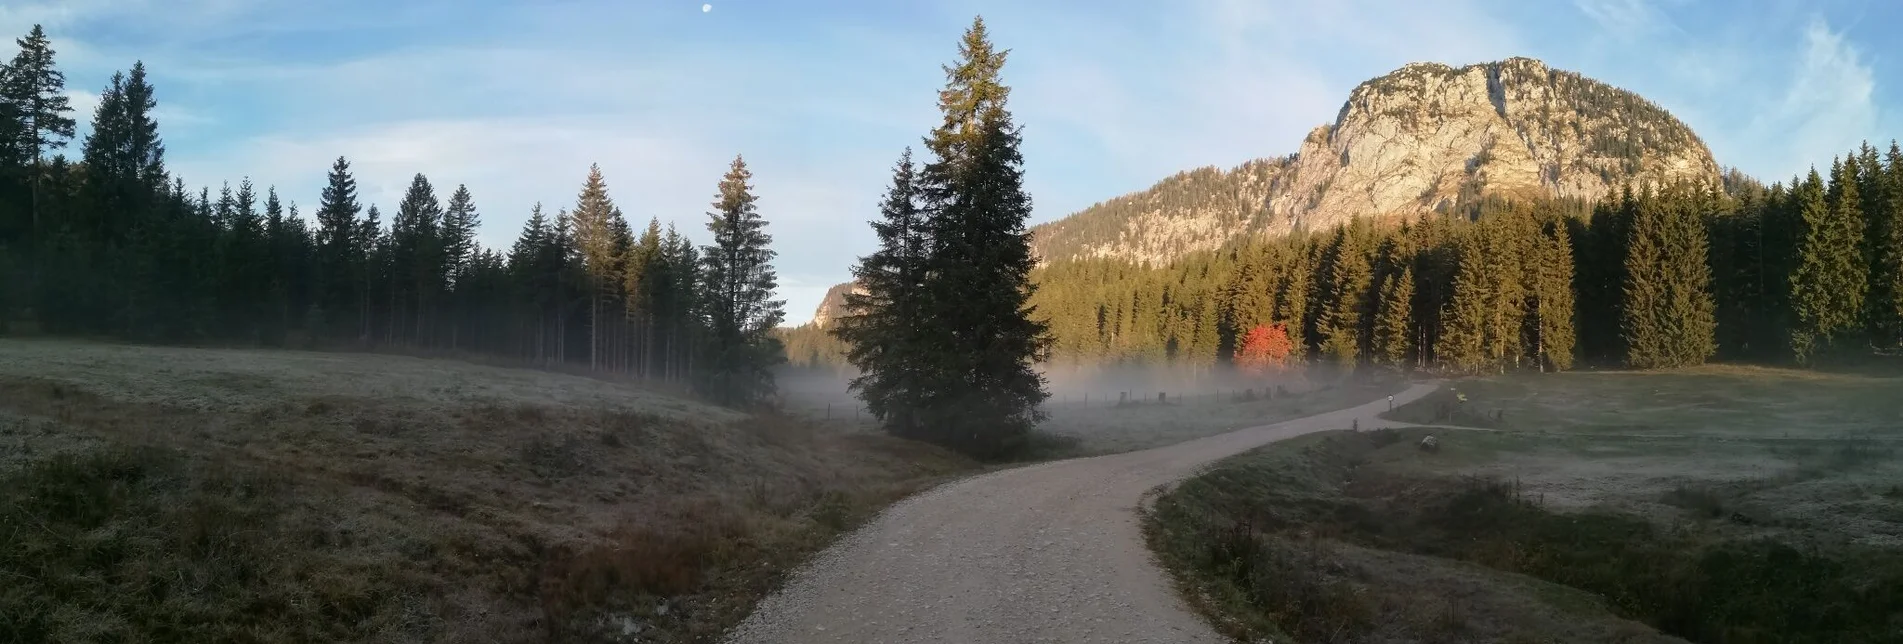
[336, 512]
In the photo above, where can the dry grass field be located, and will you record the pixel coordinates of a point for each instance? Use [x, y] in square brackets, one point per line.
[211, 495]
[1718, 504]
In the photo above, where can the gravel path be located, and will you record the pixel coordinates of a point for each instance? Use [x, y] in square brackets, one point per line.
[1044, 553]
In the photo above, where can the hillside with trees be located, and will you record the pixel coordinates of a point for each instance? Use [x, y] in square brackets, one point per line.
[1798, 272]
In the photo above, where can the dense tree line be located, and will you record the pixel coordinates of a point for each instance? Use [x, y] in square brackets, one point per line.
[113, 245]
[1661, 277]
[942, 333]
[1664, 276]
[1484, 291]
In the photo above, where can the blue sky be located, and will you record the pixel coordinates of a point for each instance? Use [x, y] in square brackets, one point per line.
[516, 99]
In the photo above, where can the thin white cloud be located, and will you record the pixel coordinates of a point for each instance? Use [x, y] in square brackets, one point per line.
[1627, 19]
[1828, 108]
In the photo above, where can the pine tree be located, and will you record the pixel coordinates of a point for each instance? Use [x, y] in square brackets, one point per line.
[1251, 295]
[740, 286]
[374, 270]
[1551, 299]
[1349, 281]
[1827, 288]
[37, 89]
[1462, 344]
[416, 261]
[682, 306]
[459, 255]
[982, 337]
[882, 321]
[1291, 295]
[1668, 314]
[1886, 276]
[460, 221]
[643, 279]
[1393, 334]
[339, 250]
[594, 217]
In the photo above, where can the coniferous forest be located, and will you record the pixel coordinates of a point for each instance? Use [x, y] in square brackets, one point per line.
[103, 241]
[109, 244]
[1802, 272]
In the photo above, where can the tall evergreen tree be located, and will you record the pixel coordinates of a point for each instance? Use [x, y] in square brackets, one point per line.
[339, 250]
[740, 308]
[459, 257]
[37, 89]
[983, 338]
[1462, 344]
[594, 218]
[1351, 276]
[1886, 275]
[1393, 337]
[1550, 299]
[416, 261]
[883, 312]
[1828, 285]
[460, 221]
[1668, 314]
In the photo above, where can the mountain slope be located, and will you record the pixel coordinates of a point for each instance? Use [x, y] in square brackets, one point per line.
[1424, 137]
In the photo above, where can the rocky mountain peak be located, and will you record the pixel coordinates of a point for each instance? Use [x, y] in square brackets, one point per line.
[1422, 138]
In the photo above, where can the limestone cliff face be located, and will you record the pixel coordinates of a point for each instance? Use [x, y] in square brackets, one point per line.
[834, 303]
[1425, 137]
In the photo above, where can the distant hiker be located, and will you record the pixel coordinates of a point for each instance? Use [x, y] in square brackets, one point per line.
[1390, 402]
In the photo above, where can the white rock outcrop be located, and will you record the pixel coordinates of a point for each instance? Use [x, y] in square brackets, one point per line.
[1422, 138]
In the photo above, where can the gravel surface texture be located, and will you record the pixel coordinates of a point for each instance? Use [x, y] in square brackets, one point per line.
[1051, 552]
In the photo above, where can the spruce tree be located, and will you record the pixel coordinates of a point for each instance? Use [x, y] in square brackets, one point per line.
[1886, 275]
[376, 278]
[460, 221]
[459, 256]
[980, 334]
[1668, 314]
[1551, 299]
[740, 284]
[37, 89]
[1251, 295]
[594, 216]
[1828, 286]
[1462, 342]
[1349, 280]
[881, 323]
[338, 249]
[415, 260]
[1393, 333]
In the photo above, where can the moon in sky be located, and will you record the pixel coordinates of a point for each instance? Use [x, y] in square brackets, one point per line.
[706, 8]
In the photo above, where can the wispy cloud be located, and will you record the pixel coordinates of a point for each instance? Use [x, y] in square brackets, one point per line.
[1828, 106]
[1628, 19]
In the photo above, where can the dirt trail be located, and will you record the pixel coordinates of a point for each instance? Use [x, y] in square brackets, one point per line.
[1044, 553]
